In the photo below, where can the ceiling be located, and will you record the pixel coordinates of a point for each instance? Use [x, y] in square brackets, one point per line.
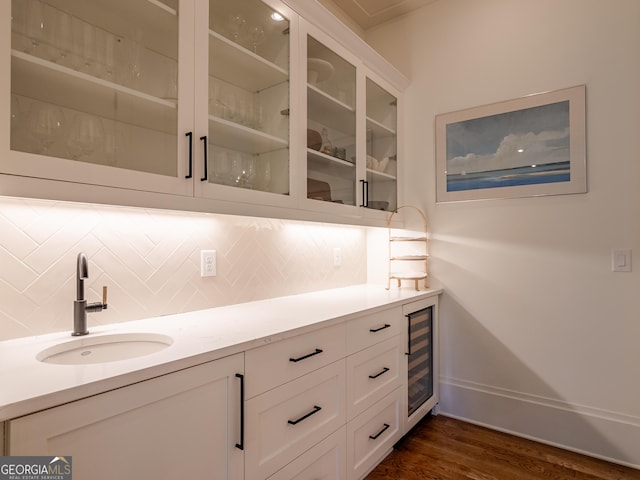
[367, 14]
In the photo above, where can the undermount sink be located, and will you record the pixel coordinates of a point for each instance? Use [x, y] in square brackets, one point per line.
[104, 348]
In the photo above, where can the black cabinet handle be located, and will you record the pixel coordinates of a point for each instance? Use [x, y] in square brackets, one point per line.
[315, 410]
[306, 356]
[204, 145]
[384, 429]
[190, 135]
[365, 193]
[374, 330]
[241, 444]
[384, 370]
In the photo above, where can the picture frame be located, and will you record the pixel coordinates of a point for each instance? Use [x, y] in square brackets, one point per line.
[529, 146]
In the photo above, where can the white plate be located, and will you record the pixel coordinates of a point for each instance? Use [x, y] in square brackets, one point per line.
[318, 70]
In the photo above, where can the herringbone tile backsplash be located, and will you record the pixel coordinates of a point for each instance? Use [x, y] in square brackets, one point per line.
[150, 261]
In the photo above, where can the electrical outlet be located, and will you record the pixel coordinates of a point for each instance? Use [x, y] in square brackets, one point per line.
[337, 257]
[208, 263]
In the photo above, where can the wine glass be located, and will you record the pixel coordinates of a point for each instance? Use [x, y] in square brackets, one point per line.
[221, 168]
[256, 36]
[105, 53]
[171, 79]
[63, 37]
[237, 26]
[86, 136]
[265, 175]
[46, 123]
[34, 24]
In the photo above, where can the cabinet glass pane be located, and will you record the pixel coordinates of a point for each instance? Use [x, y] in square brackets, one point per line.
[382, 150]
[331, 125]
[96, 81]
[420, 361]
[248, 96]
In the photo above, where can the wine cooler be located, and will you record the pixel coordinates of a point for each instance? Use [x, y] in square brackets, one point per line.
[421, 354]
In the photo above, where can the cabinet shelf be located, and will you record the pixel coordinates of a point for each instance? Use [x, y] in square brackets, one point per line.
[82, 92]
[242, 67]
[322, 160]
[326, 110]
[381, 175]
[243, 139]
[410, 257]
[122, 17]
[379, 129]
[408, 239]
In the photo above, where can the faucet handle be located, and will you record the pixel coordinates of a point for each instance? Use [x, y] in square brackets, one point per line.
[104, 297]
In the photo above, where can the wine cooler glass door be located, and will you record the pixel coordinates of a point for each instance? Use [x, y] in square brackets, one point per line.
[420, 361]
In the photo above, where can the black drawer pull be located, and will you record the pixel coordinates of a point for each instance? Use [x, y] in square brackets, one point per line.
[316, 409]
[306, 356]
[384, 429]
[374, 330]
[384, 370]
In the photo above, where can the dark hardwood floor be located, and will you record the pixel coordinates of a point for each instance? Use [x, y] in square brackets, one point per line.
[443, 448]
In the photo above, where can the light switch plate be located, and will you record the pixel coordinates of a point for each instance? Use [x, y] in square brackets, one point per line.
[621, 260]
[337, 256]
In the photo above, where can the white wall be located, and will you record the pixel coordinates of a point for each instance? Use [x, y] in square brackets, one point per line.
[150, 261]
[539, 337]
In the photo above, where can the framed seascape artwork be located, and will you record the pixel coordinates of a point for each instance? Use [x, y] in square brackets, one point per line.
[529, 146]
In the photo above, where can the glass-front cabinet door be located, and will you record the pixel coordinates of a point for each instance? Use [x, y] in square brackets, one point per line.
[248, 91]
[96, 94]
[382, 148]
[331, 124]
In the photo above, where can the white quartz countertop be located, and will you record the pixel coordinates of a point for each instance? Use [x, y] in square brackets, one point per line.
[29, 385]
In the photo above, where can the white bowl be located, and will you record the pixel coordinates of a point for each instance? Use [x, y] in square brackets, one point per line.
[318, 70]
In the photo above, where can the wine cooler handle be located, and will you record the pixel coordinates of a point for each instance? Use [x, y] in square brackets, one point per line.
[190, 135]
[240, 445]
[408, 335]
[204, 145]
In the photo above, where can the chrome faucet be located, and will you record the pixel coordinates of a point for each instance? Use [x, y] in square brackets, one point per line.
[80, 305]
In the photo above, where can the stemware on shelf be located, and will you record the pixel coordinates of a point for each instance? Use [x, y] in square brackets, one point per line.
[237, 26]
[86, 136]
[256, 36]
[46, 124]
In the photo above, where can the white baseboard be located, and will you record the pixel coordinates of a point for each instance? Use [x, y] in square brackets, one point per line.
[602, 434]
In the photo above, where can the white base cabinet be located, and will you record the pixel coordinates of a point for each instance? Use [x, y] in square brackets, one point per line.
[289, 420]
[329, 403]
[180, 425]
[371, 436]
[325, 461]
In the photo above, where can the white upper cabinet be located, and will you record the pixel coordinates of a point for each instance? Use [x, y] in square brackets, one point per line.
[233, 107]
[352, 145]
[99, 92]
[245, 101]
[382, 146]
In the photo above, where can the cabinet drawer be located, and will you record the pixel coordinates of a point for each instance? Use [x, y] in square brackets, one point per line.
[277, 363]
[372, 374]
[326, 461]
[371, 329]
[287, 421]
[371, 436]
